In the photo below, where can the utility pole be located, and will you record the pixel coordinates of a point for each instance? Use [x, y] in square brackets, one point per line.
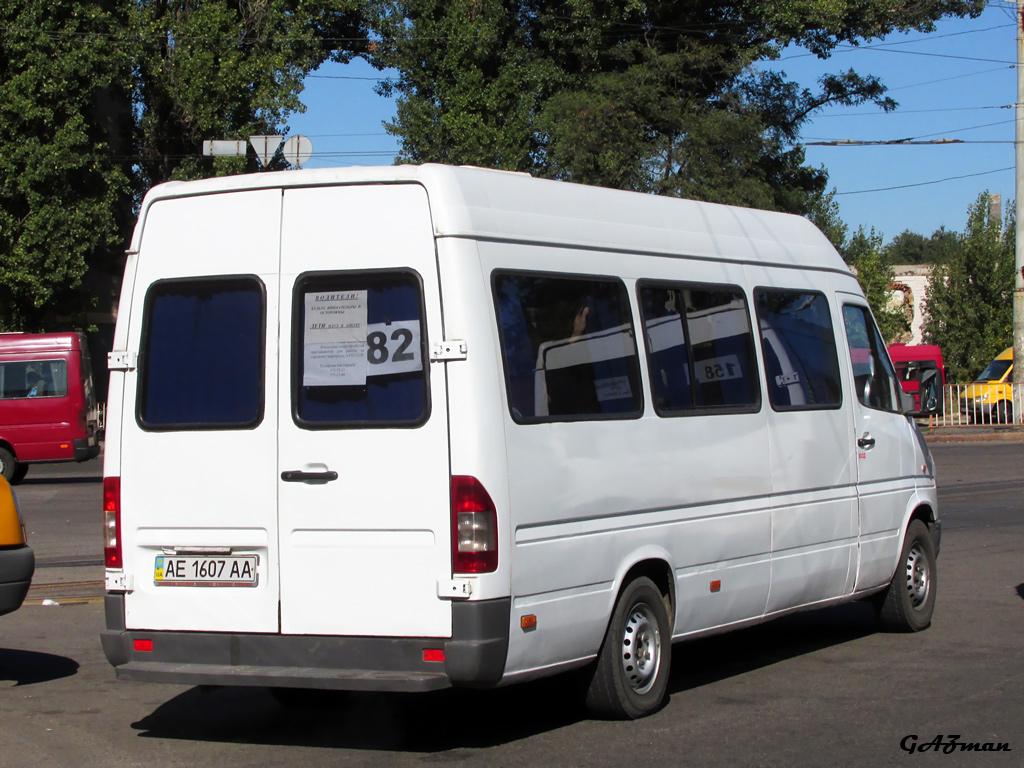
[1018, 292]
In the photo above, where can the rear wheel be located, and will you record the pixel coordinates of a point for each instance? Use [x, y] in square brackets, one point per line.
[8, 465]
[632, 670]
[909, 602]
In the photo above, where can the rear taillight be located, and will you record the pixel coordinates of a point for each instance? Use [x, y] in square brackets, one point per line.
[82, 419]
[474, 527]
[112, 522]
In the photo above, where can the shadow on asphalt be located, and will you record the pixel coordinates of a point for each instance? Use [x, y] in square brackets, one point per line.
[465, 719]
[1020, 590]
[60, 480]
[30, 667]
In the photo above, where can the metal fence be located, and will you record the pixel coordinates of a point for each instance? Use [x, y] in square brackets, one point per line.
[961, 409]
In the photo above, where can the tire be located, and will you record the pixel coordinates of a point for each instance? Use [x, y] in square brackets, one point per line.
[19, 473]
[908, 603]
[623, 687]
[8, 465]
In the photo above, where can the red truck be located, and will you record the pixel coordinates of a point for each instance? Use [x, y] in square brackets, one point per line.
[920, 371]
[48, 409]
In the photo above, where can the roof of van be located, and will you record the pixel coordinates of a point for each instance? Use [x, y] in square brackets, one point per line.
[14, 343]
[504, 205]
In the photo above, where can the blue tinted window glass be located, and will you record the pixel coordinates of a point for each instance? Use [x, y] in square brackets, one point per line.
[375, 372]
[568, 346]
[801, 362]
[700, 347]
[202, 354]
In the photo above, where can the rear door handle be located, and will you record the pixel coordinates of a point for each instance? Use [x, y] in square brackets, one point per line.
[866, 442]
[298, 476]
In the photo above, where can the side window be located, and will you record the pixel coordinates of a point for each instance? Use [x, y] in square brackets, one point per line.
[873, 377]
[202, 357]
[359, 350]
[33, 378]
[569, 347]
[799, 347]
[700, 348]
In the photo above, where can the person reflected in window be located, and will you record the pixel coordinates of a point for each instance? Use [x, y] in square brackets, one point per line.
[35, 384]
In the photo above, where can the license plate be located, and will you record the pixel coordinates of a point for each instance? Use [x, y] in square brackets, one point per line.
[203, 571]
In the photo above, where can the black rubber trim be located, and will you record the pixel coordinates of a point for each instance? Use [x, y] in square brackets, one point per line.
[16, 569]
[84, 451]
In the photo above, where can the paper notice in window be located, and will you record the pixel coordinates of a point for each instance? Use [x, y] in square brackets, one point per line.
[334, 339]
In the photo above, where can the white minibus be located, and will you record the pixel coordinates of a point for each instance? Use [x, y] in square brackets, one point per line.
[406, 428]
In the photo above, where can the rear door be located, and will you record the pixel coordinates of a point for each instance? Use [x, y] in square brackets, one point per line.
[199, 433]
[363, 476]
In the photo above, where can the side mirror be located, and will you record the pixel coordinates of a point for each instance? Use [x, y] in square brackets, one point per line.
[928, 394]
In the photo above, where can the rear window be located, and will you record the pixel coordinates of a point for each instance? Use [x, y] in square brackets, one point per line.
[359, 350]
[202, 357]
[569, 347]
[33, 378]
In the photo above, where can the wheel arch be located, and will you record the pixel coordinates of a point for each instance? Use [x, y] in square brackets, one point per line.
[656, 567]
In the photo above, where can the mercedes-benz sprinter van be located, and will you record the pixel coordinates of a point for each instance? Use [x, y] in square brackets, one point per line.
[406, 428]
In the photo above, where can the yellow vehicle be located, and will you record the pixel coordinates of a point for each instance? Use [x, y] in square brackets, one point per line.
[989, 400]
[17, 561]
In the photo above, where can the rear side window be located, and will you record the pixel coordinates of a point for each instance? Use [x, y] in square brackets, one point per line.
[33, 378]
[569, 347]
[202, 354]
[799, 346]
[359, 350]
[700, 348]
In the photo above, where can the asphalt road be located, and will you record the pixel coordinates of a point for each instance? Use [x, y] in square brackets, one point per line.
[818, 688]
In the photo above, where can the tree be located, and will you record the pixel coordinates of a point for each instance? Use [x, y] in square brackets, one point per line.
[226, 69]
[662, 97]
[875, 274]
[824, 213]
[65, 174]
[969, 310]
[911, 248]
[100, 99]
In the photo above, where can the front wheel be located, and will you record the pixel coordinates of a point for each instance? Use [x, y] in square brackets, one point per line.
[8, 465]
[909, 602]
[632, 670]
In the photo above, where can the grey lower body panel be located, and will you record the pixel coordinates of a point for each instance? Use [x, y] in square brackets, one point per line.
[474, 656]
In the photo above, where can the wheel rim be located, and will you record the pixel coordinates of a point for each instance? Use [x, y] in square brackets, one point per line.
[641, 648]
[919, 581]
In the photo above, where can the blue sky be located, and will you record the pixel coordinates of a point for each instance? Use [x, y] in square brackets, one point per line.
[956, 83]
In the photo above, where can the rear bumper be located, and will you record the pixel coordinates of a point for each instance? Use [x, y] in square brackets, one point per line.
[474, 655]
[86, 448]
[16, 569]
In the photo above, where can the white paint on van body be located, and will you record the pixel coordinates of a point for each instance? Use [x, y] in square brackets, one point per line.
[215, 488]
[363, 555]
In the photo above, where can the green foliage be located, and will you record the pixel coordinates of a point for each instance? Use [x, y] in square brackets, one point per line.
[658, 97]
[64, 190]
[226, 69]
[913, 248]
[875, 274]
[824, 213]
[99, 99]
[969, 310]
